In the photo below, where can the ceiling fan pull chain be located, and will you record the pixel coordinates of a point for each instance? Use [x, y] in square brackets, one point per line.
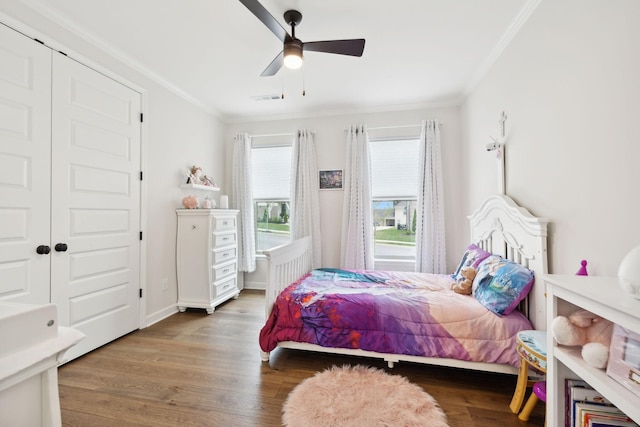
[304, 79]
[282, 96]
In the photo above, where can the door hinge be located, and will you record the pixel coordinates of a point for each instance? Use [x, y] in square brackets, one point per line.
[140, 292]
[39, 41]
[140, 175]
[141, 235]
[141, 117]
[63, 53]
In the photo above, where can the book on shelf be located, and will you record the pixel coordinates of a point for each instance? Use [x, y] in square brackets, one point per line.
[608, 420]
[577, 391]
[586, 410]
[583, 404]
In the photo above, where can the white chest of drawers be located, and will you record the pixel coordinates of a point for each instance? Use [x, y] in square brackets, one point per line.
[206, 257]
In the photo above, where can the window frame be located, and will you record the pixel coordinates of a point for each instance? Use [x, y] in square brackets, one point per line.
[390, 259]
[269, 200]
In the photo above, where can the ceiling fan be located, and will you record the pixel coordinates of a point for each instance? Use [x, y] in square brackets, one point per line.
[291, 55]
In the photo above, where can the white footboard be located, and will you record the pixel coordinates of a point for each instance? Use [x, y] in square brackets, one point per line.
[285, 265]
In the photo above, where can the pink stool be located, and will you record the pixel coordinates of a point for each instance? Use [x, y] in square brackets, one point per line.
[539, 393]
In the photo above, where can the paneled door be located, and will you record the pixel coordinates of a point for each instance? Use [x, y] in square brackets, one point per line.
[95, 208]
[25, 170]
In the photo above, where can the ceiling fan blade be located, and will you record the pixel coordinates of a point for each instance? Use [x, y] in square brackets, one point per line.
[274, 67]
[267, 19]
[352, 47]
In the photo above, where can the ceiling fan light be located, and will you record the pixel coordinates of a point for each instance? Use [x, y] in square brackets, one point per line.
[293, 56]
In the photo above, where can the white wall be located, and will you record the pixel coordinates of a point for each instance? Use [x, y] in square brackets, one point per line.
[330, 145]
[569, 85]
[177, 135]
[180, 135]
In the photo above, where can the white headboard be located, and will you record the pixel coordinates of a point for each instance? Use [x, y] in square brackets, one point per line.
[503, 228]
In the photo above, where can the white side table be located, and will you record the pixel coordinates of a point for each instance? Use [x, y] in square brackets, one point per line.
[32, 348]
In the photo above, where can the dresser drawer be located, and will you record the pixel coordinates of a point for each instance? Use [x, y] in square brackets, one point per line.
[221, 223]
[222, 255]
[219, 272]
[224, 238]
[223, 287]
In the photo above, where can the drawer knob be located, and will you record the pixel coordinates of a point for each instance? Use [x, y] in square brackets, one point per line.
[225, 270]
[225, 222]
[225, 254]
[226, 238]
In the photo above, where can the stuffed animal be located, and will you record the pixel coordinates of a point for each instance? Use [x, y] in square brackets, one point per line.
[583, 328]
[463, 286]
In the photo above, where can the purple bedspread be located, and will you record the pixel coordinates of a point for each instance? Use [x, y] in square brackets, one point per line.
[391, 312]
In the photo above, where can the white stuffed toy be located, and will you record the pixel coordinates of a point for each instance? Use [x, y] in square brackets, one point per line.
[583, 328]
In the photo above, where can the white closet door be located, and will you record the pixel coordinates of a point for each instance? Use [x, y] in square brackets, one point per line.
[25, 149]
[95, 203]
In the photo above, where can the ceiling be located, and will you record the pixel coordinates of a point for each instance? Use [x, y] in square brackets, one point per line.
[417, 52]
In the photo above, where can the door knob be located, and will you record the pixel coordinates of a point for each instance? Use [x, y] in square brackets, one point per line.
[43, 249]
[61, 247]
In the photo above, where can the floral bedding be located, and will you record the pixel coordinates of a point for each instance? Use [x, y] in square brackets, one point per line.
[391, 312]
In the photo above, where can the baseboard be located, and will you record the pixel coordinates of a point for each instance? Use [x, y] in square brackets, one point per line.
[161, 315]
[258, 286]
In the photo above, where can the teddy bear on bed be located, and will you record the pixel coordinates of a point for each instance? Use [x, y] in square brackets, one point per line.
[583, 328]
[463, 286]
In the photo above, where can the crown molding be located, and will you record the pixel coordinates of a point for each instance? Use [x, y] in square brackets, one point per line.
[110, 50]
[520, 19]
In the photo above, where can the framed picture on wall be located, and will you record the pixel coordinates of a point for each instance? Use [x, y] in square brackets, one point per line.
[331, 179]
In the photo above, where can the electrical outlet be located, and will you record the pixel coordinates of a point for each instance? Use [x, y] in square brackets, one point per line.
[165, 283]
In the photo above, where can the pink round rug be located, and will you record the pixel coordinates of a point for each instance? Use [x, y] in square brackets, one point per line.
[360, 396]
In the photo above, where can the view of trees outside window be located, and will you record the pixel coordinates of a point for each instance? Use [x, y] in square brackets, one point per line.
[272, 224]
[394, 225]
[271, 174]
[394, 188]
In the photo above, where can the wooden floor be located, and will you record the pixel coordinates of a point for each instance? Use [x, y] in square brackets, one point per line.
[194, 369]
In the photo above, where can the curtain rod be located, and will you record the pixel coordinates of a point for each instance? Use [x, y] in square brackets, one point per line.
[265, 135]
[396, 127]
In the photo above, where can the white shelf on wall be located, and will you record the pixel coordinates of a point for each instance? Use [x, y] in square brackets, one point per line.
[199, 187]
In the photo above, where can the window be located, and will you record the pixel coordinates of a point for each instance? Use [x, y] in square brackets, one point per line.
[271, 195]
[394, 191]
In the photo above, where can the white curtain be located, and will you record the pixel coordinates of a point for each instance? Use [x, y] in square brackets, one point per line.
[356, 251]
[242, 199]
[430, 235]
[305, 207]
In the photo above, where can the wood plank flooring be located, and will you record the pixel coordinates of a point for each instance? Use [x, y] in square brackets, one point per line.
[194, 369]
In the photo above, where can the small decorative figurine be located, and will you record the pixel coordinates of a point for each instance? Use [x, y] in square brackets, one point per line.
[583, 269]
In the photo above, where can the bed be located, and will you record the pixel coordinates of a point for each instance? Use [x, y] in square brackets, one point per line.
[428, 322]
